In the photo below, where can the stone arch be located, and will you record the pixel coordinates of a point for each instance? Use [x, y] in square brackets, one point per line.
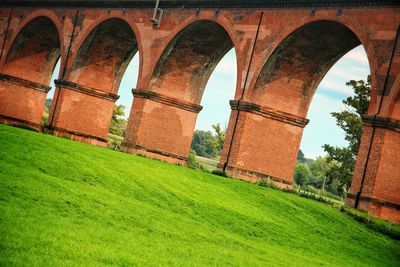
[187, 62]
[292, 73]
[34, 51]
[174, 88]
[278, 98]
[358, 27]
[104, 55]
[30, 58]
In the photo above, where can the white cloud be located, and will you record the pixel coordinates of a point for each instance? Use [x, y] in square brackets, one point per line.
[336, 86]
[227, 66]
[358, 55]
[324, 103]
[346, 73]
[350, 67]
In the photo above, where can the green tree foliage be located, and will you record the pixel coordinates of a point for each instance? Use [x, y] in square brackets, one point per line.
[209, 145]
[302, 159]
[204, 144]
[350, 121]
[46, 111]
[321, 177]
[300, 156]
[47, 104]
[118, 123]
[192, 159]
[318, 174]
[220, 136]
[301, 174]
[320, 167]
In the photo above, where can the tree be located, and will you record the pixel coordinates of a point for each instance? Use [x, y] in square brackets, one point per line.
[118, 123]
[321, 169]
[45, 115]
[351, 123]
[220, 136]
[301, 174]
[209, 145]
[47, 104]
[300, 157]
[204, 144]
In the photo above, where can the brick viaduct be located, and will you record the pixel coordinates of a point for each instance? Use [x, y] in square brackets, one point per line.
[283, 50]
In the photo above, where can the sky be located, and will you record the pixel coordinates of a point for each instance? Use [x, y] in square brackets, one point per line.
[221, 86]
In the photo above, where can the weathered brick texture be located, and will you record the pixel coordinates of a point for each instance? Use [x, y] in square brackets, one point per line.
[294, 50]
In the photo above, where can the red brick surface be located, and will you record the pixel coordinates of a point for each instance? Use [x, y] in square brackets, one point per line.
[294, 50]
[21, 103]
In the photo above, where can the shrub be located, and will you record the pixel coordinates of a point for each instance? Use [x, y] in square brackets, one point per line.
[192, 160]
[219, 173]
[266, 182]
[113, 144]
[114, 141]
[301, 174]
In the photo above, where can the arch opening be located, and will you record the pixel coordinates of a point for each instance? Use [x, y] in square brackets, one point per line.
[186, 64]
[186, 68]
[104, 56]
[100, 65]
[50, 93]
[288, 83]
[167, 109]
[26, 73]
[35, 51]
[323, 128]
[122, 108]
[220, 89]
[289, 78]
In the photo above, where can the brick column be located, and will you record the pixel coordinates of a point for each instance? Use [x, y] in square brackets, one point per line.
[21, 101]
[82, 113]
[265, 143]
[380, 193]
[160, 127]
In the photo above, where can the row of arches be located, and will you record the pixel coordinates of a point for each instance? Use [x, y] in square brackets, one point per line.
[191, 55]
[173, 72]
[109, 46]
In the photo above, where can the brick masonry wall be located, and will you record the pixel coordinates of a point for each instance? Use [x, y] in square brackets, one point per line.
[282, 79]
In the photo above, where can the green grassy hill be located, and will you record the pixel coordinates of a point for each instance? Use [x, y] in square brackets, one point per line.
[67, 203]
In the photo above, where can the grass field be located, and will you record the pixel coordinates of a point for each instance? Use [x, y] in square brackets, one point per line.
[67, 203]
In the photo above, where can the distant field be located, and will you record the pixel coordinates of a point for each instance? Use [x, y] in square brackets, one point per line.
[208, 164]
[67, 203]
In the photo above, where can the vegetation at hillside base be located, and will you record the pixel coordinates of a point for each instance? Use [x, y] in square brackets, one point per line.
[313, 177]
[118, 123]
[332, 174]
[68, 203]
[117, 128]
[351, 123]
[207, 144]
[45, 115]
